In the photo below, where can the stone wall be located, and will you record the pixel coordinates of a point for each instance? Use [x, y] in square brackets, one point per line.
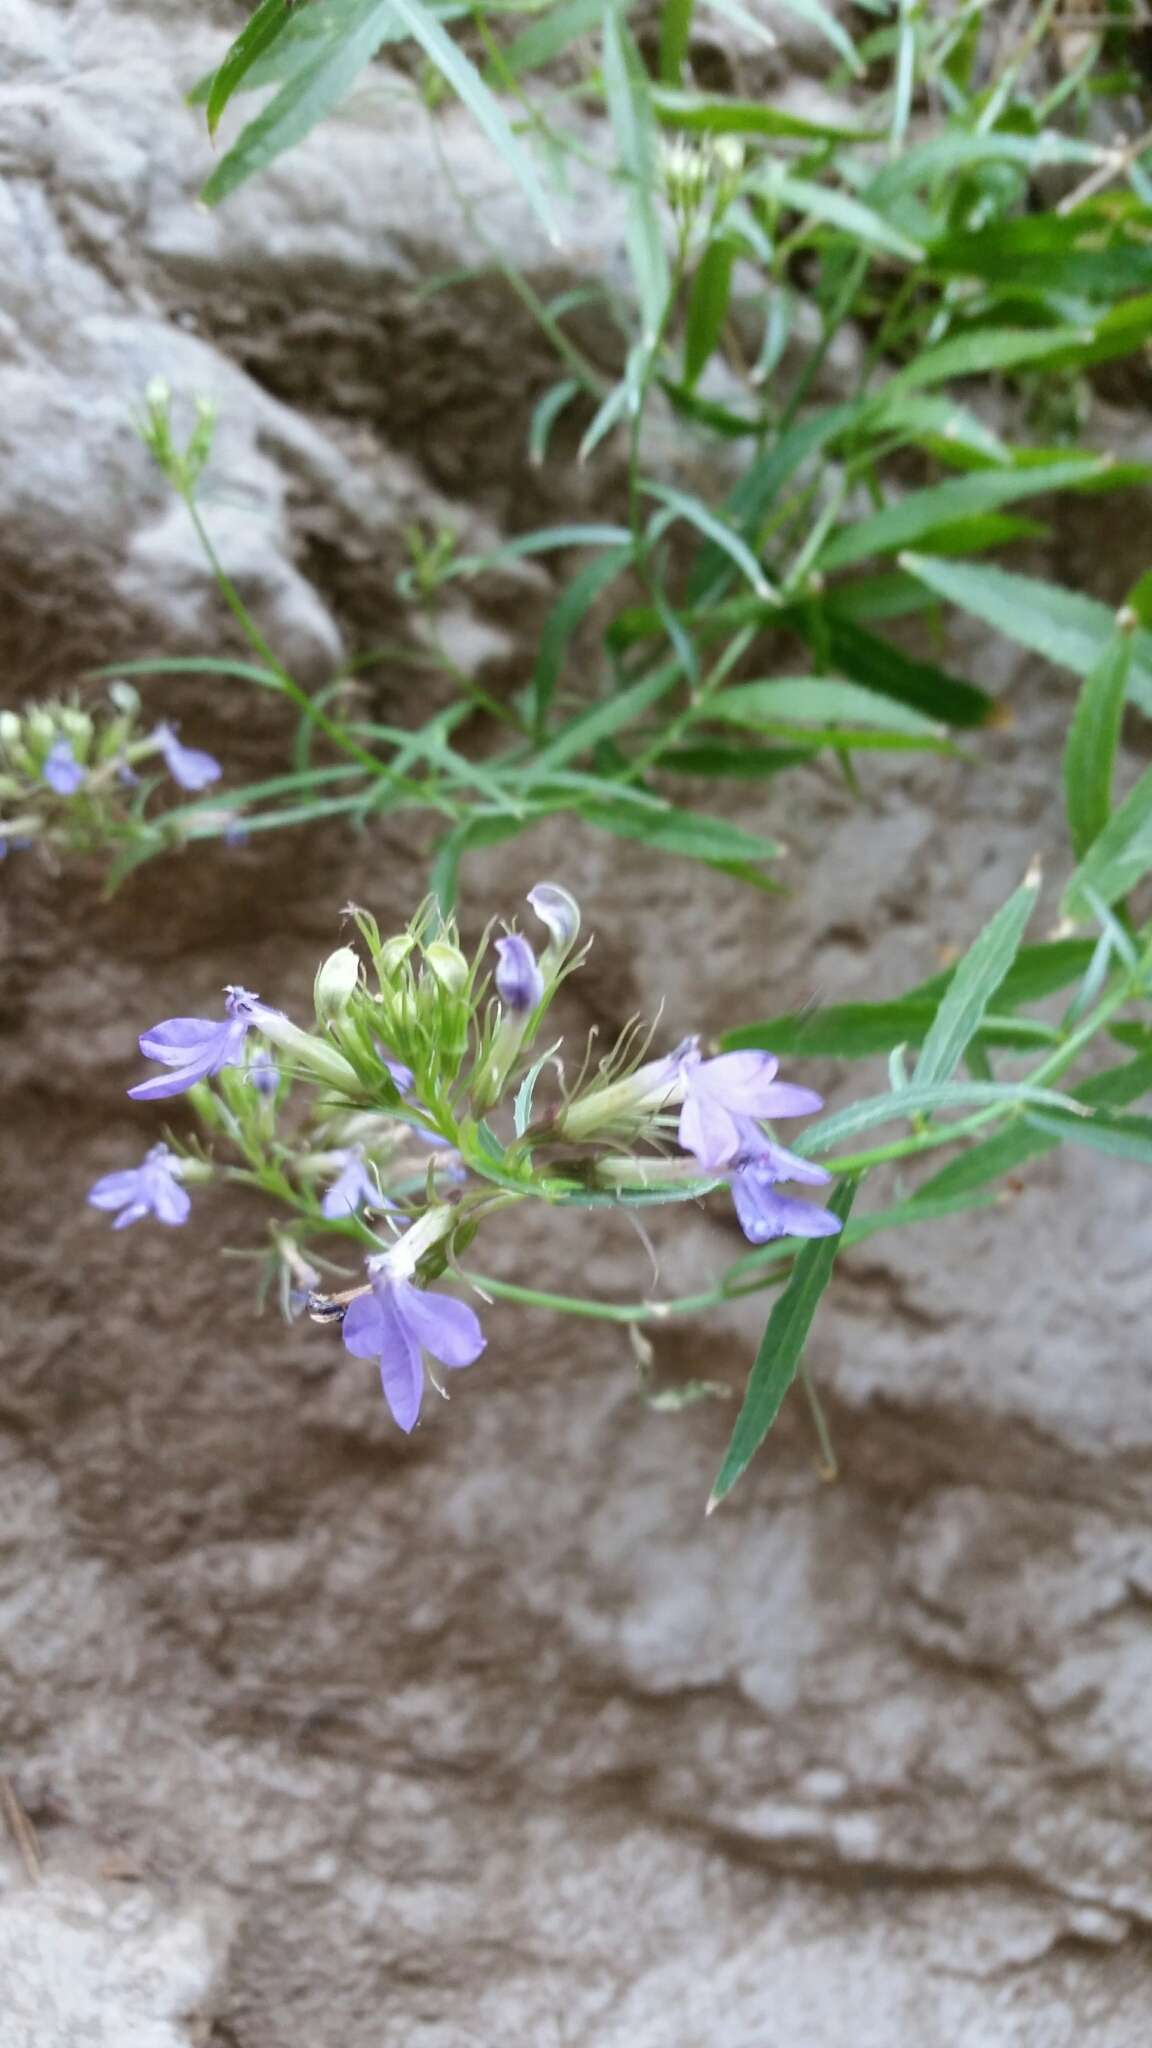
[331, 1739]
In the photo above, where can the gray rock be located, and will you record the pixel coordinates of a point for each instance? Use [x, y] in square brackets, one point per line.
[487, 1736]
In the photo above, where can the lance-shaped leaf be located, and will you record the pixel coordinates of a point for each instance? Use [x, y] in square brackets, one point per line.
[1092, 741]
[1117, 859]
[974, 983]
[630, 111]
[778, 1359]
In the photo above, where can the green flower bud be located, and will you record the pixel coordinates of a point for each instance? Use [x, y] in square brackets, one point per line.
[448, 965]
[336, 980]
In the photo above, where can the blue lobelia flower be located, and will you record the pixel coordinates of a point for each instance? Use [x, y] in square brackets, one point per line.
[353, 1188]
[62, 771]
[148, 1190]
[196, 1047]
[188, 766]
[519, 982]
[397, 1323]
[725, 1097]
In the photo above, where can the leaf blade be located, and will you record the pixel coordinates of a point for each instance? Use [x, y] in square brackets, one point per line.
[778, 1359]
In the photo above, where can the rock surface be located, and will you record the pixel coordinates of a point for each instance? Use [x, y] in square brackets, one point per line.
[332, 1738]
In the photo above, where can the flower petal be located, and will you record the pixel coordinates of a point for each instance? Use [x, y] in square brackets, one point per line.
[112, 1190]
[765, 1215]
[175, 1038]
[132, 1214]
[449, 1329]
[738, 1080]
[782, 1098]
[171, 1203]
[401, 1366]
[363, 1327]
[175, 1083]
[707, 1129]
[188, 766]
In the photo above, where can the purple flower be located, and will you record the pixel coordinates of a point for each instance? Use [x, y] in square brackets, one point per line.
[403, 1079]
[396, 1323]
[765, 1214]
[62, 771]
[188, 766]
[559, 911]
[352, 1187]
[519, 982]
[724, 1099]
[126, 774]
[263, 1072]
[195, 1047]
[148, 1190]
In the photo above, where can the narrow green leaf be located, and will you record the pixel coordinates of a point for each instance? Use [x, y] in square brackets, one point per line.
[1049, 253]
[1093, 737]
[833, 208]
[921, 1100]
[976, 978]
[982, 350]
[675, 35]
[485, 110]
[1067, 629]
[682, 505]
[861, 1030]
[630, 111]
[867, 658]
[778, 1359]
[522, 1109]
[689, 833]
[1124, 1137]
[601, 720]
[694, 112]
[1118, 858]
[713, 757]
[996, 1157]
[819, 699]
[255, 38]
[544, 39]
[922, 512]
[707, 306]
[193, 665]
[304, 99]
[566, 615]
[545, 414]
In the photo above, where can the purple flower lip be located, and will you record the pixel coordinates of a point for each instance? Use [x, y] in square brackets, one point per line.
[723, 1097]
[396, 1323]
[197, 1047]
[766, 1214]
[62, 771]
[188, 766]
[519, 982]
[353, 1188]
[150, 1189]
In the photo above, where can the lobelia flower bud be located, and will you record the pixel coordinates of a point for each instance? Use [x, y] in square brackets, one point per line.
[336, 981]
[449, 966]
[560, 913]
[519, 982]
[393, 954]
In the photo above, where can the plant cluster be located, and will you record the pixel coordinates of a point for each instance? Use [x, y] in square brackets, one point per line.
[966, 208]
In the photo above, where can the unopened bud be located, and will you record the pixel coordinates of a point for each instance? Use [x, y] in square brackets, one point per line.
[335, 982]
[448, 965]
